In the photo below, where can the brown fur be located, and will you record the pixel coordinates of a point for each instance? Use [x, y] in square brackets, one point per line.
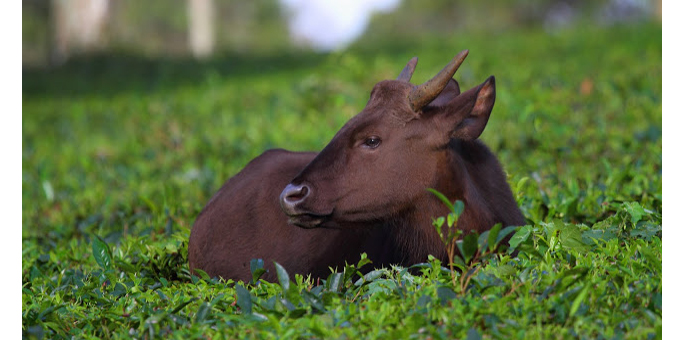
[357, 198]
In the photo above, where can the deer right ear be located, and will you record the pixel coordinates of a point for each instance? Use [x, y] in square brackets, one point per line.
[473, 123]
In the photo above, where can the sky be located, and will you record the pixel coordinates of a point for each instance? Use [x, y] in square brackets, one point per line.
[332, 25]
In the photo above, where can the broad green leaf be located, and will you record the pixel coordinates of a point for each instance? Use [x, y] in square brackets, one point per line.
[506, 270]
[520, 236]
[493, 234]
[635, 210]
[423, 301]
[287, 304]
[458, 208]
[243, 299]
[257, 269]
[202, 312]
[203, 274]
[445, 294]
[483, 241]
[334, 282]
[119, 290]
[505, 232]
[313, 301]
[102, 253]
[597, 234]
[451, 220]
[283, 277]
[551, 230]
[370, 276]
[646, 230]
[572, 238]
[438, 223]
[473, 334]
[470, 246]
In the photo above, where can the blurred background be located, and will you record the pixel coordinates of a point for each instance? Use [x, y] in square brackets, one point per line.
[53, 31]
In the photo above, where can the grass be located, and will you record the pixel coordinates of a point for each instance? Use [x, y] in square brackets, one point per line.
[120, 153]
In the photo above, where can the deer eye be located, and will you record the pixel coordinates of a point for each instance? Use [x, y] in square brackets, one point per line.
[372, 142]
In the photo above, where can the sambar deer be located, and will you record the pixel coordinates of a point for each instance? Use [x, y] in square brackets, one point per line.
[366, 190]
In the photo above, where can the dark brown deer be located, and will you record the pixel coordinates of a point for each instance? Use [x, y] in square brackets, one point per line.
[366, 190]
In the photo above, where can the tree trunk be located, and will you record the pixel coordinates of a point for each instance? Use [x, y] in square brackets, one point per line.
[77, 25]
[201, 27]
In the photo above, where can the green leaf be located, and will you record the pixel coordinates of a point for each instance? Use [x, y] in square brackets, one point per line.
[36, 331]
[469, 246]
[334, 282]
[442, 198]
[473, 334]
[635, 211]
[257, 269]
[243, 299]
[646, 230]
[506, 270]
[597, 234]
[458, 261]
[203, 274]
[183, 304]
[363, 261]
[520, 184]
[458, 208]
[581, 296]
[101, 253]
[445, 294]
[202, 312]
[283, 277]
[451, 219]
[370, 276]
[313, 301]
[493, 235]
[506, 232]
[520, 236]
[439, 222]
[119, 290]
[571, 237]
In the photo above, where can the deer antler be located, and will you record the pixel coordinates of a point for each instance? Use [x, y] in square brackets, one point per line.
[408, 70]
[423, 94]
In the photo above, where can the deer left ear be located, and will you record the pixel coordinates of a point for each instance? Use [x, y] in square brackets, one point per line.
[473, 123]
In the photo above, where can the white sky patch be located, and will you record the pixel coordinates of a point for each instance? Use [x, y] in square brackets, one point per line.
[329, 25]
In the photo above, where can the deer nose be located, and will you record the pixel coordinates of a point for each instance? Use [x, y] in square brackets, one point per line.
[293, 195]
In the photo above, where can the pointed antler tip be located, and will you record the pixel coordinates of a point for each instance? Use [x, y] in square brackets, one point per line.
[408, 70]
[462, 55]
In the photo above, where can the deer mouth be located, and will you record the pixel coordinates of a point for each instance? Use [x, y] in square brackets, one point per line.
[307, 220]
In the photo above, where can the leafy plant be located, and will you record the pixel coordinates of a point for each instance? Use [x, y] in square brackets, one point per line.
[119, 154]
[473, 248]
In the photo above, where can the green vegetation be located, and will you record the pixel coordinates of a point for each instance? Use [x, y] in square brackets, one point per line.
[120, 153]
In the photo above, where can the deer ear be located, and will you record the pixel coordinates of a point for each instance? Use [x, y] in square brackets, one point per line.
[481, 100]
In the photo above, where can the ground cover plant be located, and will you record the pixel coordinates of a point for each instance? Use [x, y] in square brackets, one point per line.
[120, 153]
